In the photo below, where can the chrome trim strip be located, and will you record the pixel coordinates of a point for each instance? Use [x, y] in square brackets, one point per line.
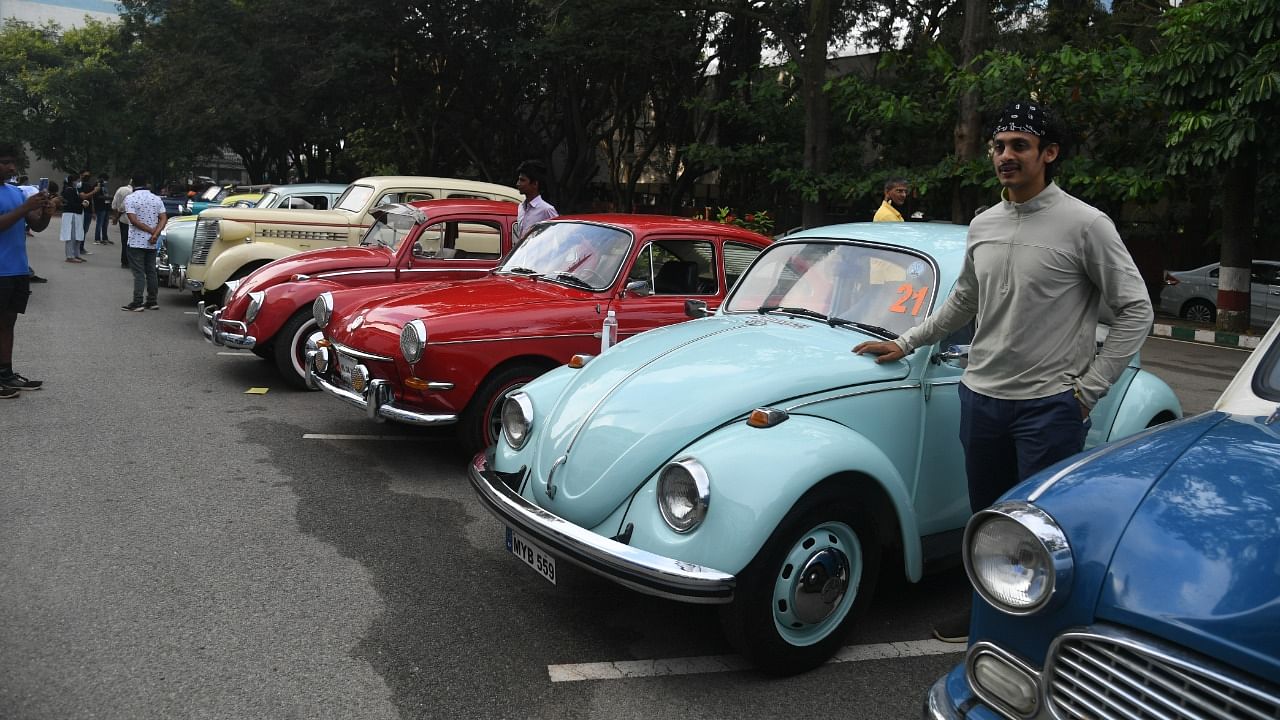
[630, 567]
[937, 704]
[517, 337]
[914, 385]
[985, 648]
[380, 410]
[362, 355]
[440, 386]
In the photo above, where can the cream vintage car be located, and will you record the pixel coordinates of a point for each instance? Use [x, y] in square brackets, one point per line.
[230, 243]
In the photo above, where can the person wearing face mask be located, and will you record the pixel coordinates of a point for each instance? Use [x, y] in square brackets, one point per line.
[1038, 269]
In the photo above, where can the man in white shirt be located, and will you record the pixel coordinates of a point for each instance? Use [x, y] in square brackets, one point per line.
[122, 219]
[146, 219]
[530, 177]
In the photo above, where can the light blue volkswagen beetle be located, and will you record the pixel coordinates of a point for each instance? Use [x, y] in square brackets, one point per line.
[750, 459]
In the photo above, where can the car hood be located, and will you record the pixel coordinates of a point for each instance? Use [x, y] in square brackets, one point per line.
[314, 262]
[282, 215]
[638, 405]
[1200, 560]
[476, 309]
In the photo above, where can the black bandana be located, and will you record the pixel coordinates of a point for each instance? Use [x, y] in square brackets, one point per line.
[1024, 117]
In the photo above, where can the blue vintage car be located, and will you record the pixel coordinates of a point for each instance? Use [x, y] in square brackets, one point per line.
[750, 459]
[1140, 580]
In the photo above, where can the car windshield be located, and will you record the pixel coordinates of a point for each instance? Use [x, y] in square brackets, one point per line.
[573, 253]
[389, 231]
[268, 200]
[354, 198]
[211, 193]
[840, 282]
[1266, 380]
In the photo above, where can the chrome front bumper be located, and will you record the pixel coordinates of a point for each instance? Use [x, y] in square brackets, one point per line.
[637, 569]
[211, 326]
[374, 396]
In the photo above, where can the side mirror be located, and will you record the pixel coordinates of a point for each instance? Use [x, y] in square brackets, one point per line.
[639, 288]
[696, 308]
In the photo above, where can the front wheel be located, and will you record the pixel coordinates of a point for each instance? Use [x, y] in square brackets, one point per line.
[1198, 311]
[481, 422]
[797, 600]
[291, 344]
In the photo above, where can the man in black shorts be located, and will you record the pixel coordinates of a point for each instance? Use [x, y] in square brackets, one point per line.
[16, 214]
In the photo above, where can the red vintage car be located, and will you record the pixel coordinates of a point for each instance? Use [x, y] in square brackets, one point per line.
[448, 353]
[269, 312]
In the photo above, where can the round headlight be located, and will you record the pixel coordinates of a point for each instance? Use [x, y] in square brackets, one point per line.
[255, 304]
[684, 492]
[322, 309]
[1017, 557]
[517, 419]
[413, 338]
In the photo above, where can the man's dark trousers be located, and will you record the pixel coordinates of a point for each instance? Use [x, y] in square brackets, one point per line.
[142, 261]
[1007, 441]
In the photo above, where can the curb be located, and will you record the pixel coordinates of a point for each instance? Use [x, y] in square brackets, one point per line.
[1212, 337]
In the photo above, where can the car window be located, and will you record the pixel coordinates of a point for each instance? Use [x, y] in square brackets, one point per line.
[881, 286]
[677, 267]
[354, 198]
[404, 196]
[1263, 273]
[737, 258]
[469, 196]
[268, 200]
[388, 231]
[1266, 379]
[458, 240]
[1214, 273]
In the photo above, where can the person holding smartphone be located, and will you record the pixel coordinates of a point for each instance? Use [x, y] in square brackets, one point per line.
[71, 229]
[16, 214]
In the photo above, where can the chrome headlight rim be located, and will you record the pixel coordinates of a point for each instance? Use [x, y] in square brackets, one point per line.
[322, 309]
[1049, 541]
[698, 502]
[255, 305]
[413, 341]
[520, 406]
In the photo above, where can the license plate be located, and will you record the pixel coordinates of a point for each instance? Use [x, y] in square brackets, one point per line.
[532, 555]
[346, 365]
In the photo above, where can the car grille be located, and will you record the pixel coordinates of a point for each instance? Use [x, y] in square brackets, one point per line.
[205, 236]
[1110, 675]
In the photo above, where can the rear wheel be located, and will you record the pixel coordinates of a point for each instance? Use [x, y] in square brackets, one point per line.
[481, 422]
[797, 600]
[290, 345]
[1198, 311]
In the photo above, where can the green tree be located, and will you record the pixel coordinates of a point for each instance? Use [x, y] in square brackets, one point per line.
[1220, 68]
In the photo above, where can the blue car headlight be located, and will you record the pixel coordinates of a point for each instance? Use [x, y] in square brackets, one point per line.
[517, 419]
[684, 493]
[1017, 557]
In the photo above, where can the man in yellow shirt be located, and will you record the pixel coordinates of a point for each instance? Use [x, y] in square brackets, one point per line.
[895, 196]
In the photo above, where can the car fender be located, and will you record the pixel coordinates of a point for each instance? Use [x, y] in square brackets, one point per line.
[1146, 397]
[757, 476]
[225, 265]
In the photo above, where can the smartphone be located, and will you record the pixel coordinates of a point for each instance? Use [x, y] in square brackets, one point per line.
[44, 184]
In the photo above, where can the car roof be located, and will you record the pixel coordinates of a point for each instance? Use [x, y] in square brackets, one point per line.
[944, 242]
[310, 187]
[382, 181]
[507, 207]
[666, 224]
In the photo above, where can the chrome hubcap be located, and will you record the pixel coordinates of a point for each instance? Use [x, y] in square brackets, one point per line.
[823, 582]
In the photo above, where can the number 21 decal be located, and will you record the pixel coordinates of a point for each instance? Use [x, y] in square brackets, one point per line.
[908, 293]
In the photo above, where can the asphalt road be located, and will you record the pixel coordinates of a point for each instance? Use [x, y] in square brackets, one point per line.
[172, 547]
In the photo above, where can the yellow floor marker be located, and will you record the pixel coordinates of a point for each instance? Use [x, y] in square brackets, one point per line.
[256, 391]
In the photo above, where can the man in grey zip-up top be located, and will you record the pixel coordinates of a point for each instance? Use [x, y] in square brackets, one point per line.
[1038, 269]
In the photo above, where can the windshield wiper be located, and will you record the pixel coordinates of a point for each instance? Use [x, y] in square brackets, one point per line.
[571, 279]
[832, 321]
[873, 329]
[517, 270]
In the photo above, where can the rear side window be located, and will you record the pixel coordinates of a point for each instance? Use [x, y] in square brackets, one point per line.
[737, 257]
[460, 240]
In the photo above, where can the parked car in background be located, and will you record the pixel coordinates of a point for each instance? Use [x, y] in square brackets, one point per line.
[1193, 294]
[269, 311]
[750, 459]
[175, 252]
[448, 353]
[1138, 581]
[229, 244]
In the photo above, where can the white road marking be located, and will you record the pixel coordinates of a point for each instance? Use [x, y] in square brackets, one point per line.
[726, 663]
[237, 354]
[190, 312]
[321, 436]
[1200, 344]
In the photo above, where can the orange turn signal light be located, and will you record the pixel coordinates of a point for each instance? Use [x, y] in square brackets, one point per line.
[766, 417]
[415, 383]
[578, 361]
[323, 343]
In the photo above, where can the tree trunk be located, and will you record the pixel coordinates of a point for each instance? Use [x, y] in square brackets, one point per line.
[968, 129]
[1238, 188]
[817, 112]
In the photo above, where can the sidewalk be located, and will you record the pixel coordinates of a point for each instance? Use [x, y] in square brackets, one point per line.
[1178, 329]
